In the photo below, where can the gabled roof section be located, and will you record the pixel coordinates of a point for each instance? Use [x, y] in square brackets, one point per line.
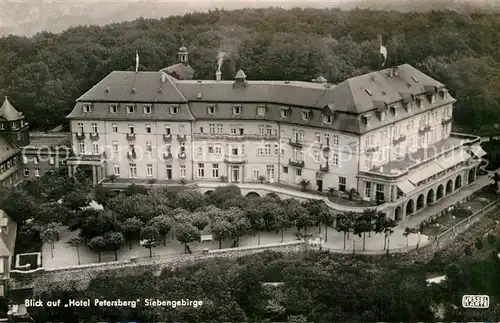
[126, 86]
[179, 71]
[8, 112]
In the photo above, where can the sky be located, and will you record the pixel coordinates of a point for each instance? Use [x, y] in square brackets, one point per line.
[27, 17]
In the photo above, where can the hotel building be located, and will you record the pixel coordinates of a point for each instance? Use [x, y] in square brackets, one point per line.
[386, 134]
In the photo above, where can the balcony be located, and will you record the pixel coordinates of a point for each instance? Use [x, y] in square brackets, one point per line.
[424, 130]
[167, 137]
[399, 140]
[181, 138]
[130, 136]
[80, 135]
[235, 159]
[295, 143]
[444, 122]
[167, 156]
[181, 155]
[326, 149]
[324, 167]
[131, 154]
[296, 163]
[249, 137]
[372, 149]
[94, 135]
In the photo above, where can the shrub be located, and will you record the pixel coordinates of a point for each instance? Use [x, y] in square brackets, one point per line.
[479, 244]
[468, 250]
[491, 240]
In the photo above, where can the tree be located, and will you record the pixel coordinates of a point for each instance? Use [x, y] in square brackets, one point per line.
[239, 223]
[406, 233]
[149, 236]
[345, 224]
[332, 191]
[131, 229]
[50, 234]
[97, 244]
[254, 214]
[304, 184]
[164, 224]
[151, 182]
[76, 241]
[362, 224]
[112, 178]
[133, 189]
[262, 179]
[221, 228]
[200, 220]
[76, 200]
[189, 200]
[113, 242]
[186, 233]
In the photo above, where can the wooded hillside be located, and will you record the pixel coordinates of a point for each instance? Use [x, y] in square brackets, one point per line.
[44, 74]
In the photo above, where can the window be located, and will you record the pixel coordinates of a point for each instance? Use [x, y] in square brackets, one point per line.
[81, 148]
[1, 126]
[285, 113]
[182, 171]
[131, 129]
[306, 115]
[327, 139]
[94, 128]
[201, 129]
[366, 120]
[267, 149]
[382, 116]
[393, 110]
[26, 172]
[37, 172]
[211, 109]
[298, 172]
[149, 170]
[236, 109]
[25, 160]
[255, 174]
[169, 171]
[368, 189]
[147, 109]
[167, 130]
[113, 108]
[51, 160]
[270, 172]
[210, 149]
[95, 148]
[335, 159]
[86, 108]
[317, 137]
[80, 127]
[215, 170]
[168, 149]
[316, 156]
[130, 109]
[211, 127]
[116, 170]
[115, 146]
[276, 149]
[132, 170]
[418, 102]
[174, 109]
[182, 149]
[149, 146]
[201, 170]
[261, 111]
[432, 99]
[148, 128]
[220, 128]
[114, 127]
[218, 150]
[342, 183]
[327, 119]
[285, 169]
[335, 140]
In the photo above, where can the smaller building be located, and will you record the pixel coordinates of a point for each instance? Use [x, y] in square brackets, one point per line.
[8, 231]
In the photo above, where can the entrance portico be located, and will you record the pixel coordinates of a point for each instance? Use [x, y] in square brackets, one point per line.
[95, 162]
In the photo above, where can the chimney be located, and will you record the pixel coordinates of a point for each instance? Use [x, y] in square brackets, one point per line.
[218, 75]
[391, 72]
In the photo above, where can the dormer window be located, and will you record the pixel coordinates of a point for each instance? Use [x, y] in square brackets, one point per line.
[432, 98]
[1, 126]
[366, 120]
[147, 109]
[174, 109]
[236, 109]
[443, 94]
[306, 115]
[327, 119]
[285, 112]
[130, 108]
[393, 110]
[419, 103]
[381, 115]
[211, 109]
[408, 106]
[261, 110]
[113, 108]
[86, 108]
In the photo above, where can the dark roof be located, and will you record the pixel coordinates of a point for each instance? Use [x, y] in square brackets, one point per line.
[7, 149]
[180, 71]
[8, 112]
[120, 86]
[50, 140]
[7, 239]
[183, 49]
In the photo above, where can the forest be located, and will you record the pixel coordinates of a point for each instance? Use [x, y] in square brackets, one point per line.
[44, 74]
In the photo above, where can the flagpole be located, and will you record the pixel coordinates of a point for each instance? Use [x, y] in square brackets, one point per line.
[136, 61]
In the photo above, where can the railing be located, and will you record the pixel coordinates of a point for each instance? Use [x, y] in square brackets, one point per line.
[235, 159]
[131, 155]
[80, 135]
[446, 121]
[94, 135]
[130, 136]
[295, 143]
[296, 163]
[167, 156]
[181, 155]
[372, 149]
[181, 138]
[324, 167]
[399, 140]
[167, 137]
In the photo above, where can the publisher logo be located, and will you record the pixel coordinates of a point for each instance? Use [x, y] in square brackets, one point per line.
[475, 301]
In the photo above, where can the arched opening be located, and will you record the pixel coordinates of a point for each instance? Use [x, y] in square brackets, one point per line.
[430, 197]
[273, 196]
[397, 214]
[458, 182]
[440, 192]
[420, 202]
[207, 193]
[410, 208]
[449, 187]
[472, 175]
[253, 194]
